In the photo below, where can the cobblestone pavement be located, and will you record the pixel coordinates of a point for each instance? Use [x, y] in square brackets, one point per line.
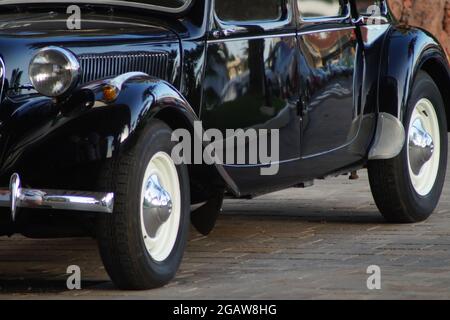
[311, 243]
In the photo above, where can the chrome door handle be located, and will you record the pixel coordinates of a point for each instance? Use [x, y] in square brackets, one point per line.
[228, 32]
[216, 34]
[223, 33]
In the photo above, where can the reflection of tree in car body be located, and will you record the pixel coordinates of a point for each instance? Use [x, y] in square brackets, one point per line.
[318, 44]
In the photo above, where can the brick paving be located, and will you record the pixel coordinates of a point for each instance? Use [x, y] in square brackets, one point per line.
[313, 243]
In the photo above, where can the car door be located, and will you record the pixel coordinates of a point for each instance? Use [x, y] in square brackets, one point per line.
[328, 47]
[251, 80]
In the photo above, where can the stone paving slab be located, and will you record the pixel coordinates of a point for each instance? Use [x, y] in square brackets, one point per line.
[313, 243]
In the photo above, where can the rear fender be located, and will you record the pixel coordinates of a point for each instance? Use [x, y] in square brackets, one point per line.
[405, 53]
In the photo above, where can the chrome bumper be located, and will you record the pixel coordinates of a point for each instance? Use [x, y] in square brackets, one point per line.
[17, 197]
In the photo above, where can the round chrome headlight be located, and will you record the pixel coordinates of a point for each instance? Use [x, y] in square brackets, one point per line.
[53, 71]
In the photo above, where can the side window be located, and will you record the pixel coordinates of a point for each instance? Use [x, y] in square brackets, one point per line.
[320, 8]
[249, 10]
[368, 7]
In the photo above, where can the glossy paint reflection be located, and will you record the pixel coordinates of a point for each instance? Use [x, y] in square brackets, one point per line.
[254, 84]
[328, 68]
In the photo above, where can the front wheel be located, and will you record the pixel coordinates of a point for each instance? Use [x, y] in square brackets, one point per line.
[407, 188]
[142, 242]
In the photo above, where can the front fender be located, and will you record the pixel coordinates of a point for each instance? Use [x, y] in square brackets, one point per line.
[41, 134]
[49, 141]
[141, 97]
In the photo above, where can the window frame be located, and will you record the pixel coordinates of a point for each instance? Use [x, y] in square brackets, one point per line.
[283, 20]
[326, 19]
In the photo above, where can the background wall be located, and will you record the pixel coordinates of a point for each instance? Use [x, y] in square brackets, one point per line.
[433, 15]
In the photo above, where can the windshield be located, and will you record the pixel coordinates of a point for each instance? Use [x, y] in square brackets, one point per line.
[172, 6]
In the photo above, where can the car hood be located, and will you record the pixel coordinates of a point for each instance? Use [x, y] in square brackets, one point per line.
[92, 24]
[21, 35]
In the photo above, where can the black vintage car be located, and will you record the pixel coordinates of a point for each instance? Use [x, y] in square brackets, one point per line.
[92, 92]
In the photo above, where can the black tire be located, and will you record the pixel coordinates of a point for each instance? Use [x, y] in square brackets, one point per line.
[121, 243]
[390, 180]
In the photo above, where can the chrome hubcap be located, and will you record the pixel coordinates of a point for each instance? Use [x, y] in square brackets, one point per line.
[421, 146]
[160, 206]
[157, 205]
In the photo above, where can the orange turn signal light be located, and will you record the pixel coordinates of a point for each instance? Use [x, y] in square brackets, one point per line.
[110, 93]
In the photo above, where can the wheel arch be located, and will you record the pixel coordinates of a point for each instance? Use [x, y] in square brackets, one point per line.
[167, 104]
[205, 180]
[407, 51]
[436, 66]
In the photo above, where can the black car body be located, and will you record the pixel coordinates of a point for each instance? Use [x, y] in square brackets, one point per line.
[336, 87]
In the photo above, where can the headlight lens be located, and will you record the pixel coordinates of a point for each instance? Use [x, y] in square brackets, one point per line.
[53, 71]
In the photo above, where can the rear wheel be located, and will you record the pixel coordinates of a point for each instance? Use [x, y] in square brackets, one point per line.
[408, 187]
[142, 242]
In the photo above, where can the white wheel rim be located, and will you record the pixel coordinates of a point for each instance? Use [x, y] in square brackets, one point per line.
[423, 147]
[162, 171]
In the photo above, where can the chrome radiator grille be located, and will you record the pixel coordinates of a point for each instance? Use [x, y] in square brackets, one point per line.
[99, 66]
